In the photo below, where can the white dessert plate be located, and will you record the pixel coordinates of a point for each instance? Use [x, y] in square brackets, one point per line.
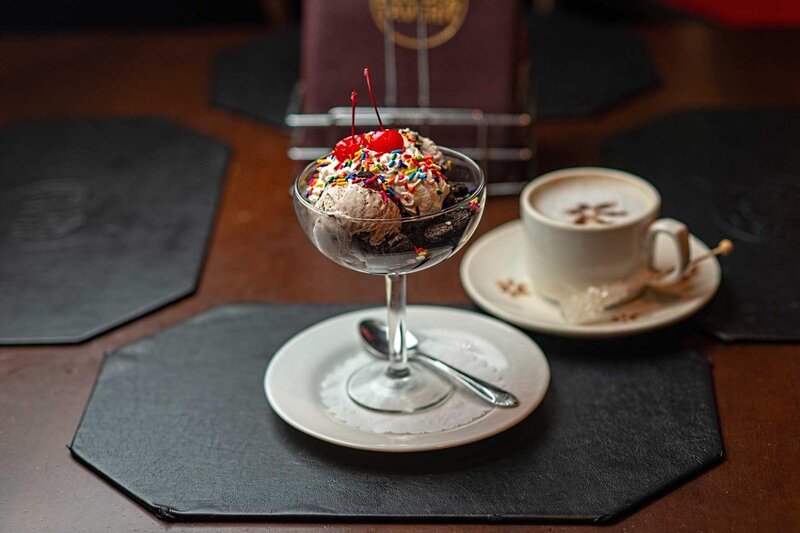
[293, 377]
[494, 276]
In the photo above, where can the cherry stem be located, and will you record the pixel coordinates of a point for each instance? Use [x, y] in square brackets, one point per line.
[354, 101]
[372, 97]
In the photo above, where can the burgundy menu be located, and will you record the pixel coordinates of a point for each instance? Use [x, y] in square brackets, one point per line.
[471, 64]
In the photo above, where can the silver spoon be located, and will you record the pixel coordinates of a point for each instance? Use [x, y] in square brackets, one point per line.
[374, 338]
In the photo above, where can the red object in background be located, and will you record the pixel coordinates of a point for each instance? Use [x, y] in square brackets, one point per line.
[754, 13]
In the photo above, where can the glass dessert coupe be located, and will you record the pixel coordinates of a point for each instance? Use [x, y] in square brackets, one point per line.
[394, 247]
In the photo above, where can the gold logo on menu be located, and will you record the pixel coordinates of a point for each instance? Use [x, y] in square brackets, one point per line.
[444, 18]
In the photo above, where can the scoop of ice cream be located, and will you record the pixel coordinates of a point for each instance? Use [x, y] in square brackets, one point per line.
[418, 182]
[423, 195]
[379, 216]
[411, 177]
[428, 147]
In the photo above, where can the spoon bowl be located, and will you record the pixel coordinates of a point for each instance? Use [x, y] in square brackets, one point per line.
[375, 340]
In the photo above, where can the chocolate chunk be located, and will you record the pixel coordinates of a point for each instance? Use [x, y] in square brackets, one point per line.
[458, 192]
[439, 233]
[450, 230]
[396, 244]
[416, 231]
[460, 218]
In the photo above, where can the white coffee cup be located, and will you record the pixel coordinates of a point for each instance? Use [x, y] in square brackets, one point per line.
[595, 227]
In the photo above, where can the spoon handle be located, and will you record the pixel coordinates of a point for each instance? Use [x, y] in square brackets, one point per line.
[494, 395]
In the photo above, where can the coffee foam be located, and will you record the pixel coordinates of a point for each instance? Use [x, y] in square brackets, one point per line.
[590, 200]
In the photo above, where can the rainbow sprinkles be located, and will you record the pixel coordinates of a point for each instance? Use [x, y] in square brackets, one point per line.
[412, 176]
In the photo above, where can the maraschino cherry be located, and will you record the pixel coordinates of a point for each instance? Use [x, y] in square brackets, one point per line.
[385, 140]
[350, 145]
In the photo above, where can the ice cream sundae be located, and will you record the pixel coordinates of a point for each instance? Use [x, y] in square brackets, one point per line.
[389, 200]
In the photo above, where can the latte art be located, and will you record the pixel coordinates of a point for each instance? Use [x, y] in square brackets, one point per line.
[601, 213]
[590, 200]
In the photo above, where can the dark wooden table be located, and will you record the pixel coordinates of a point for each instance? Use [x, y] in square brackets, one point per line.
[258, 248]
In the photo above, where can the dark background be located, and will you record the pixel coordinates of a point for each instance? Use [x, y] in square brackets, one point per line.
[46, 15]
[60, 15]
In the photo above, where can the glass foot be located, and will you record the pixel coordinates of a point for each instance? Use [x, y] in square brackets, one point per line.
[422, 388]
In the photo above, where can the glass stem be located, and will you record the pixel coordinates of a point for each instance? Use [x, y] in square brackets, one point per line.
[396, 303]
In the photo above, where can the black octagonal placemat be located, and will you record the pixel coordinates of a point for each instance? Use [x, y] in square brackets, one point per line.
[734, 174]
[101, 221]
[257, 79]
[179, 422]
[578, 67]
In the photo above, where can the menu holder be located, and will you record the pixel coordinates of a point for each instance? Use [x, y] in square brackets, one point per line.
[101, 221]
[577, 67]
[179, 422]
[731, 174]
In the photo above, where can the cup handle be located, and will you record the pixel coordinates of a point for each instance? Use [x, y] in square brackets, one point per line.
[680, 236]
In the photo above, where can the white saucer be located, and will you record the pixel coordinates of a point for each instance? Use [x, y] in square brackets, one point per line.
[494, 276]
[293, 378]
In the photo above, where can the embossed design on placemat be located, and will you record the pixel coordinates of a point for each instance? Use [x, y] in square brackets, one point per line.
[759, 214]
[45, 215]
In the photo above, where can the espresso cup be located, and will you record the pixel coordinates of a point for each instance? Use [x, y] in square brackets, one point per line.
[596, 227]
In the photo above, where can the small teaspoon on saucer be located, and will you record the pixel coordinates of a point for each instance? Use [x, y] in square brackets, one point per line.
[374, 339]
